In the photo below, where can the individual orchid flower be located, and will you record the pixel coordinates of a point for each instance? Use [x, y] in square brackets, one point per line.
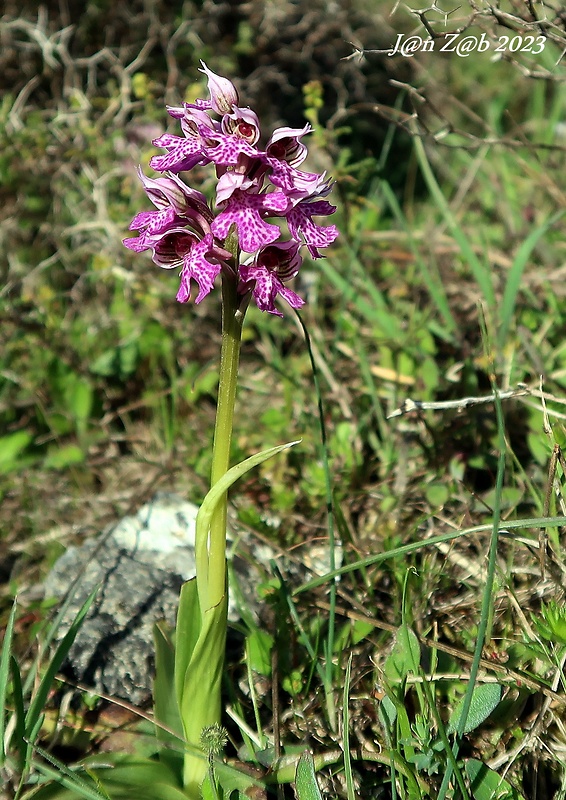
[184, 153]
[302, 227]
[197, 267]
[176, 204]
[304, 208]
[272, 266]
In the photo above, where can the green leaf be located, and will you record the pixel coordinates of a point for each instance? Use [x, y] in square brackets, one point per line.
[387, 712]
[259, 647]
[437, 494]
[141, 779]
[305, 779]
[11, 447]
[199, 660]
[63, 457]
[165, 699]
[485, 784]
[204, 674]
[485, 699]
[128, 354]
[80, 399]
[360, 630]
[404, 657]
[232, 779]
[209, 790]
[106, 363]
[217, 492]
[186, 634]
[551, 625]
[116, 775]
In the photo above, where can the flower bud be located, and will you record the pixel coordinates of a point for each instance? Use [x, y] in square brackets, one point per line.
[223, 94]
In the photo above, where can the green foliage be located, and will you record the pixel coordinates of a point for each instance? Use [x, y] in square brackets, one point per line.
[421, 737]
[23, 700]
[305, 781]
[485, 699]
[486, 784]
[551, 624]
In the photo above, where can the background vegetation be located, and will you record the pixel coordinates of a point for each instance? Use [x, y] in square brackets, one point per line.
[448, 281]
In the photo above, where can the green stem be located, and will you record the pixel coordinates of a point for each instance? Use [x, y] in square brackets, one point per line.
[232, 321]
[199, 666]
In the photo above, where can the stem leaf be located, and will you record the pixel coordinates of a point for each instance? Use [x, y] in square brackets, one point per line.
[305, 780]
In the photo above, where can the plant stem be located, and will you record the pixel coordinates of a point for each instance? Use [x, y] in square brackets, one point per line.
[200, 662]
[232, 321]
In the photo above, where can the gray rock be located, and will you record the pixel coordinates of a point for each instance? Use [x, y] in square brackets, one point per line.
[140, 566]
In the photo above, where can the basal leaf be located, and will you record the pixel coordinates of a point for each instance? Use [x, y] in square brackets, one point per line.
[485, 699]
[486, 784]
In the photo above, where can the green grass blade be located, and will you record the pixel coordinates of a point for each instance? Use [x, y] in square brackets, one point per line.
[376, 313]
[350, 790]
[303, 636]
[405, 549]
[50, 635]
[40, 697]
[329, 644]
[67, 778]
[20, 728]
[488, 596]
[433, 282]
[481, 272]
[515, 276]
[4, 673]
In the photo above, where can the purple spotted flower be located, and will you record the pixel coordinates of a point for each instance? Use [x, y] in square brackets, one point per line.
[261, 195]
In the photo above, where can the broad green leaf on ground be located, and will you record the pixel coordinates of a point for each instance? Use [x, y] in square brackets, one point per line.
[485, 699]
[486, 784]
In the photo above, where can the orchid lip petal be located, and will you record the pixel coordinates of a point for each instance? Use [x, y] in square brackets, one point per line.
[197, 267]
[245, 211]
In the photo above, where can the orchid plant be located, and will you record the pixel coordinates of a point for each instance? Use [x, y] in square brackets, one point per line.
[254, 259]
